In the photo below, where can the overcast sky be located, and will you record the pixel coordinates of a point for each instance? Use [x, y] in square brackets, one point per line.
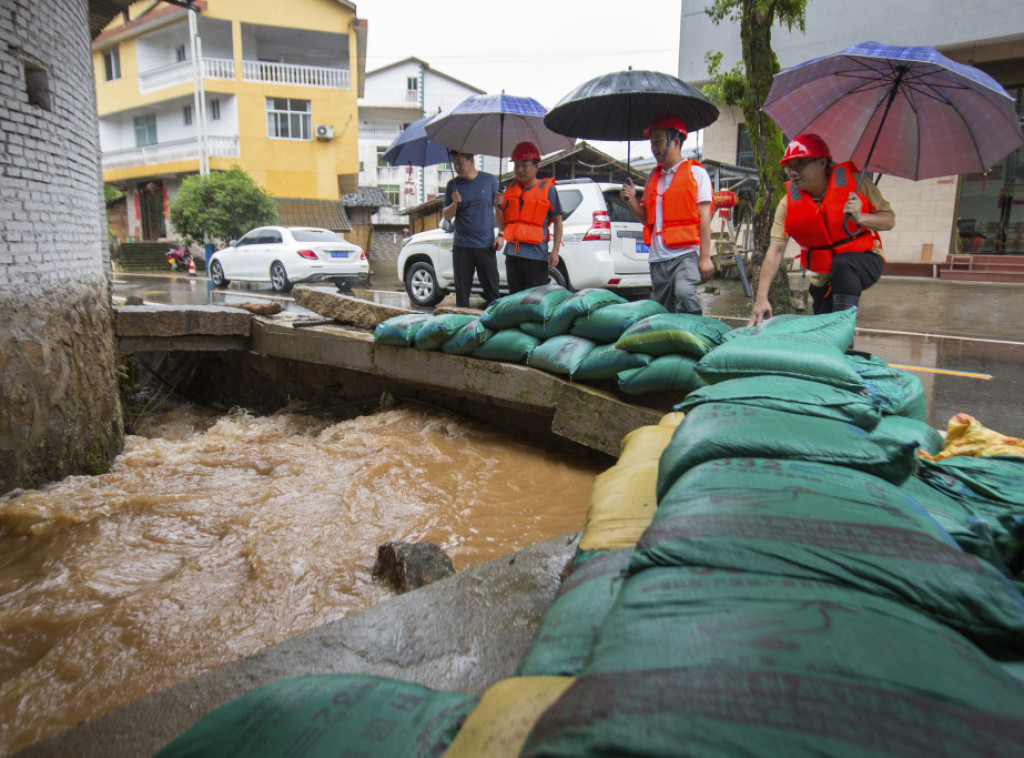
[537, 48]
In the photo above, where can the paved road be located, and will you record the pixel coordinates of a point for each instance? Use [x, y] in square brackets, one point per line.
[963, 339]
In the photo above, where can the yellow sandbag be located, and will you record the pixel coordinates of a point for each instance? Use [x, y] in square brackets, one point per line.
[672, 419]
[966, 436]
[622, 505]
[648, 442]
[502, 720]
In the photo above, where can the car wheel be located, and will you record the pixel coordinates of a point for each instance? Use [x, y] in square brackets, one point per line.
[559, 277]
[421, 284]
[217, 275]
[279, 277]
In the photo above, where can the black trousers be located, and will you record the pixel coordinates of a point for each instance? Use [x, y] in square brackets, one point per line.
[523, 273]
[482, 261]
[852, 273]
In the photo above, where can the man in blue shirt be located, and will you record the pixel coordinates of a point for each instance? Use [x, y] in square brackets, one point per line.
[469, 199]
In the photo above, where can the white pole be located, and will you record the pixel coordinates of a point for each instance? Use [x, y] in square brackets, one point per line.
[199, 93]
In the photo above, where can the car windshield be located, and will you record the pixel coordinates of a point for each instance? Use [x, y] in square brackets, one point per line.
[617, 209]
[570, 200]
[315, 235]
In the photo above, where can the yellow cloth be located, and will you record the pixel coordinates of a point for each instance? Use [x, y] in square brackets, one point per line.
[966, 436]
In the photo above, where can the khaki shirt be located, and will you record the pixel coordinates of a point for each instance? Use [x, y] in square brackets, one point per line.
[867, 189]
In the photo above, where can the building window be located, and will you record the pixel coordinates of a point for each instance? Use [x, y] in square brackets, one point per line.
[288, 119]
[215, 110]
[179, 53]
[412, 84]
[145, 130]
[111, 64]
[37, 87]
[744, 150]
[186, 115]
[381, 149]
[390, 192]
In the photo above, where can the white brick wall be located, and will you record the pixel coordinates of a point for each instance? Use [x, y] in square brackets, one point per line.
[50, 192]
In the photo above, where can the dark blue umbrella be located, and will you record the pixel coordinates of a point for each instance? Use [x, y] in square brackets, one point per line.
[904, 111]
[414, 148]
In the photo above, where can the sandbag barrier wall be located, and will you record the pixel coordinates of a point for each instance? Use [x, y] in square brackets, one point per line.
[776, 572]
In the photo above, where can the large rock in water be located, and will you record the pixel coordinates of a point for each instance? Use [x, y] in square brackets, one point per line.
[408, 565]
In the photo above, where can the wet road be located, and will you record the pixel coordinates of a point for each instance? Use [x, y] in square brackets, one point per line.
[964, 340]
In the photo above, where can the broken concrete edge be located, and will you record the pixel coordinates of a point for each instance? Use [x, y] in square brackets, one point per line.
[181, 320]
[580, 413]
[450, 635]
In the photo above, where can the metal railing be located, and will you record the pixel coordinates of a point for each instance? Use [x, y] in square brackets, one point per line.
[166, 152]
[176, 73]
[288, 73]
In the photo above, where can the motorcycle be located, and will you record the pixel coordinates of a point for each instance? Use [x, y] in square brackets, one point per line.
[179, 258]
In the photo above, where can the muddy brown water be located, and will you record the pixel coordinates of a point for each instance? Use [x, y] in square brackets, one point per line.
[216, 536]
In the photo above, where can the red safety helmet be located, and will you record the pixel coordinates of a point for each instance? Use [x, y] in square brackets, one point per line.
[525, 151]
[666, 121]
[806, 146]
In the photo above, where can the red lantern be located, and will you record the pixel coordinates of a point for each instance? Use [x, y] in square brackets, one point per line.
[725, 199]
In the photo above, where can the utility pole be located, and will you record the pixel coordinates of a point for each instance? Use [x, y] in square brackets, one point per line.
[423, 169]
[199, 91]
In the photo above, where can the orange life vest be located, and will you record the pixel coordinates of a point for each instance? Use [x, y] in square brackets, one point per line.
[525, 212]
[823, 231]
[680, 222]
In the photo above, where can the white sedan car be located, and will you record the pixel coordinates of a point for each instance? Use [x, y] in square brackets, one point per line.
[287, 255]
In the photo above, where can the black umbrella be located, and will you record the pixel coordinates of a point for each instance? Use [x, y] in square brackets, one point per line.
[620, 106]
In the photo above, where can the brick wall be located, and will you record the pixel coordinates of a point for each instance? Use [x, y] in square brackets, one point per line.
[58, 400]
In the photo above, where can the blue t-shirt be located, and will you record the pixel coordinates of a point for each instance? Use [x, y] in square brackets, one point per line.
[537, 252]
[474, 218]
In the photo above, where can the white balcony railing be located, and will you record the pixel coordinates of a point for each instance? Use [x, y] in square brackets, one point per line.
[166, 152]
[288, 73]
[176, 73]
[383, 136]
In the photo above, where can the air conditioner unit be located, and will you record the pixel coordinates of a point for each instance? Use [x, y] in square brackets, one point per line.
[324, 131]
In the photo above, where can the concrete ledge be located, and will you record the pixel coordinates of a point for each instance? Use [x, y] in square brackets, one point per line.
[181, 320]
[461, 634]
[184, 344]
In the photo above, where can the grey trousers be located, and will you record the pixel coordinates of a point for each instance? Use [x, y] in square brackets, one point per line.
[674, 283]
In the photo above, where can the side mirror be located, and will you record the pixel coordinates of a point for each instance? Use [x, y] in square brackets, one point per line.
[447, 225]
[232, 243]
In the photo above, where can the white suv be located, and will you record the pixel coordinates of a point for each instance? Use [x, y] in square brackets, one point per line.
[603, 246]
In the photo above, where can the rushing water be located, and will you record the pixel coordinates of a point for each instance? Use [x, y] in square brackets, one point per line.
[215, 536]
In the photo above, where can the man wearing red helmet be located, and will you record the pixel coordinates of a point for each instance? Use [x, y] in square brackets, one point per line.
[835, 226]
[676, 212]
[525, 211]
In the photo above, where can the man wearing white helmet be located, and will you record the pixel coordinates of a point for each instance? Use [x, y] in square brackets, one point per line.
[836, 223]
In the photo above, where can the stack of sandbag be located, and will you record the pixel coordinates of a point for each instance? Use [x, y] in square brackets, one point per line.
[592, 335]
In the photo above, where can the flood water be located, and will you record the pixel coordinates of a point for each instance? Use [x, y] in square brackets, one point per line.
[216, 536]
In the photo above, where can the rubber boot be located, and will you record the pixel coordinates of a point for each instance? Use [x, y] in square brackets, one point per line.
[820, 302]
[844, 302]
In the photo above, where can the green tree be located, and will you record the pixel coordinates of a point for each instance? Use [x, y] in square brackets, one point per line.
[746, 85]
[221, 206]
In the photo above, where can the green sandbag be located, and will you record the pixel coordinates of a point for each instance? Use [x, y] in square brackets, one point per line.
[785, 393]
[672, 333]
[606, 361]
[565, 634]
[327, 715]
[580, 303]
[974, 532]
[534, 304]
[467, 339]
[400, 330]
[607, 324]
[439, 329]
[785, 355]
[836, 328]
[927, 437]
[894, 391]
[508, 345]
[698, 662]
[827, 523]
[560, 355]
[667, 373]
[723, 430]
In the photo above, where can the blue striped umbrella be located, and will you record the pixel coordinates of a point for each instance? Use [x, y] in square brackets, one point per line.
[494, 124]
[904, 111]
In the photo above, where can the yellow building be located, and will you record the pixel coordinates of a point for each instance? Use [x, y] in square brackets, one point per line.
[270, 86]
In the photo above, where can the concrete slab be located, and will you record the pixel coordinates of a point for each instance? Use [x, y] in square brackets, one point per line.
[181, 320]
[461, 634]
